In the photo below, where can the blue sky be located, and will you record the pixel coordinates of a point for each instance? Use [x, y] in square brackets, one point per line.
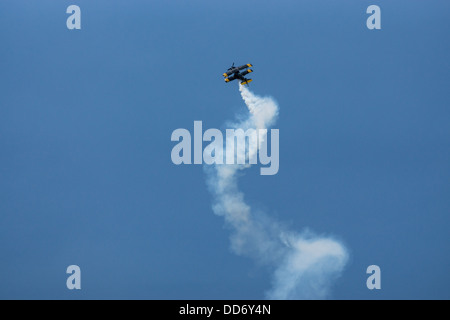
[86, 117]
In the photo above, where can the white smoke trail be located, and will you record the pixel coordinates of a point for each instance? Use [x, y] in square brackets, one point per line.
[305, 264]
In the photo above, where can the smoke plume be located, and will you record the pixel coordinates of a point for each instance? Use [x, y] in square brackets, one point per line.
[304, 264]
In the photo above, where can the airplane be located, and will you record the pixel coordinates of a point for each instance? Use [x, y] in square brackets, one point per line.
[236, 74]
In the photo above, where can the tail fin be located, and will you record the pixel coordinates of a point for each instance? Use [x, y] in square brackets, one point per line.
[247, 81]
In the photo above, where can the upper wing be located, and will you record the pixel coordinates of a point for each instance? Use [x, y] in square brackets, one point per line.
[248, 65]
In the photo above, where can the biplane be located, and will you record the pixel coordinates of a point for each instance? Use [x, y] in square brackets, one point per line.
[234, 73]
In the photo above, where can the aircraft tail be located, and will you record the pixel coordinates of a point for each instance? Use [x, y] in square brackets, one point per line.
[247, 81]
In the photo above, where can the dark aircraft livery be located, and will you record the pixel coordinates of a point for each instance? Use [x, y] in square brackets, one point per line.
[236, 73]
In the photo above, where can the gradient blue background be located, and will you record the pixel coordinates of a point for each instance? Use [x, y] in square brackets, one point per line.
[86, 118]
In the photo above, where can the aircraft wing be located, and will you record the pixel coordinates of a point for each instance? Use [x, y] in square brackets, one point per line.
[246, 72]
[230, 79]
[226, 74]
[248, 65]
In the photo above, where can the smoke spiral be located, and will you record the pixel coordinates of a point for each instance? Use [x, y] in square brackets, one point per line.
[304, 264]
